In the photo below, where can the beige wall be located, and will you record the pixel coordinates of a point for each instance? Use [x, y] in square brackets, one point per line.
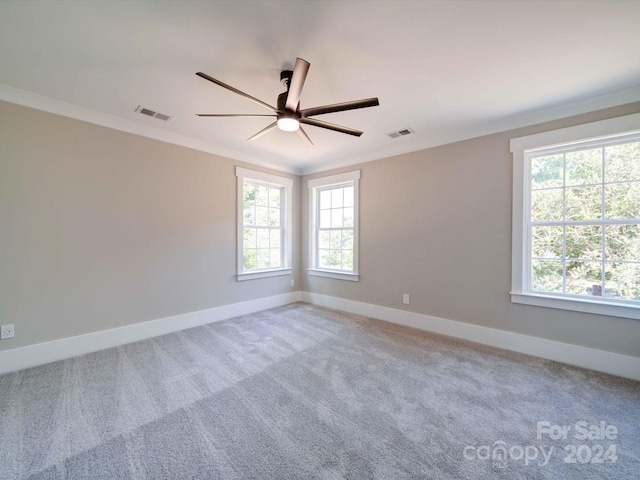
[100, 229]
[437, 224]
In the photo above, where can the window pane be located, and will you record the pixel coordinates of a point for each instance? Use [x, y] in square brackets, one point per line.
[336, 240]
[583, 167]
[249, 238]
[274, 258]
[274, 239]
[584, 203]
[546, 242]
[348, 196]
[623, 280]
[323, 258]
[546, 205]
[262, 258]
[324, 240]
[584, 242]
[329, 258]
[325, 219]
[347, 260]
[622, 162]
[249, 259]
[249, 195]
[336, 217]
[262, 195]
[325, 199]
[584, 278]
[334, 226]
[347, 239]
[262, 216]
[249, 215]
[336, 198]
[547, 171]
[263, 244]
[546, 275]
[623, 242]
[622, 200]
[348, 217]
[274, 217]
[274, 197]
[263, 237]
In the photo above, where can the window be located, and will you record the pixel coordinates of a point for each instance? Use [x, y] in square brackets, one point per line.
[576, 218]
[264, 224]
[333, 203]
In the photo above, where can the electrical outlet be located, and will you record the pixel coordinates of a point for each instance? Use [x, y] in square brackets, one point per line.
[405, 298]
[7, 331]
[292, 282]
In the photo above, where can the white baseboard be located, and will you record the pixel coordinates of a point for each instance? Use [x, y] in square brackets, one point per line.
[41, 353]
[599, 360]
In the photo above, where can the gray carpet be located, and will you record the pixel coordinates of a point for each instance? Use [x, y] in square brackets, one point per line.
[300, 392]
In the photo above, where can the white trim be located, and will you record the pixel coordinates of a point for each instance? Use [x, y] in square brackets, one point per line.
[353, 277]
[41, 353]
[334, 179]
[522, 148]
[580, 106]
[577, 133]
[286, 222]
[346, 178]
[597, 305]
[585, 357]
[275, 180]
[599, 360]
[58, 107]
[264, 274]
[415, 143]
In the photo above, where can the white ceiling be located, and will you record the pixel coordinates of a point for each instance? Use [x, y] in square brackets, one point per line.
[449, 70]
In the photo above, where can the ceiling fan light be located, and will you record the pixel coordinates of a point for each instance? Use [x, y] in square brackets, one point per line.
[288, 124]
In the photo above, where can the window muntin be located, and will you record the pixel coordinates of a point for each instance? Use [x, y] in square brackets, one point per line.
[571, 227]
[583, 220]
[264, 224]
[334, 226]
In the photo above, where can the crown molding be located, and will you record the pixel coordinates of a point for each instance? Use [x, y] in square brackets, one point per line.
[58, 107]
[534, 117]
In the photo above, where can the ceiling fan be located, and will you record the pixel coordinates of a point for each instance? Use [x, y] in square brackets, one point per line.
[288, 114]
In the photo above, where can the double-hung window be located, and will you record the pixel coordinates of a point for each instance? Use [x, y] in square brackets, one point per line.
[333, 234]
[576, 218]
[264, 224]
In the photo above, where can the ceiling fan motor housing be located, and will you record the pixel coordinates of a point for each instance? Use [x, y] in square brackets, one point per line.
[285, 77]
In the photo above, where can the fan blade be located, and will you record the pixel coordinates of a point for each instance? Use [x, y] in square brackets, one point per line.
[300, 70]
[340, 107]
[263, 131]
[331, 126]
[233, 115]
[235, 90]
[305, 138]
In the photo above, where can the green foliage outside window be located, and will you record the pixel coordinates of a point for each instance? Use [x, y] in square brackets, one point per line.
[585, 237]
[262, 235]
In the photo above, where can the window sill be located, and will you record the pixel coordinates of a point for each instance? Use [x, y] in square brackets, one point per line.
[241, 277]
[598, 306]
[353, 277]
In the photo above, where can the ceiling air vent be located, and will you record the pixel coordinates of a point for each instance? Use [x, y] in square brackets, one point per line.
[400, 133]
[151, 113]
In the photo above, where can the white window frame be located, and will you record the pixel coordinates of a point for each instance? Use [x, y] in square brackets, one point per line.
[315, 186]
[286, 202]
[522, 148]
